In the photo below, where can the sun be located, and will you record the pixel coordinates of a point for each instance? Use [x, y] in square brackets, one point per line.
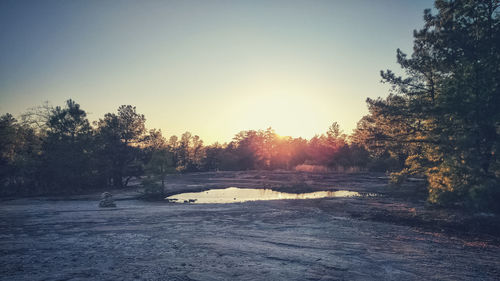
[290, 115]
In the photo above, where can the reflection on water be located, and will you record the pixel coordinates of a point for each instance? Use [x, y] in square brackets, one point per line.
[234, 195]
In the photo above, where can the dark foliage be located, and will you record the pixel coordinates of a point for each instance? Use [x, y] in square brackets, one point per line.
[442, 119]
[57, 150]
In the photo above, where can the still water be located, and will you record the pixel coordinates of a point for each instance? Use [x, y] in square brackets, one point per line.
[235, 195]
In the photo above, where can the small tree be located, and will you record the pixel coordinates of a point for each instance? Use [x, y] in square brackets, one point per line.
[120, 138]
[67, 150]
[19, 156]
[160, 163]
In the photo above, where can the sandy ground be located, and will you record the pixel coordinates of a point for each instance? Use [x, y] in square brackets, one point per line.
[320, 239]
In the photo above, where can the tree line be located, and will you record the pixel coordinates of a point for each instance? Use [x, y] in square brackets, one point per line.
[57, 149]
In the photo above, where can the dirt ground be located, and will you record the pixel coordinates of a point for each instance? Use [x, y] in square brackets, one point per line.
[391, 236]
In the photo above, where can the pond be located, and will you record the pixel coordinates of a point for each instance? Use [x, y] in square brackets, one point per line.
[236, 195]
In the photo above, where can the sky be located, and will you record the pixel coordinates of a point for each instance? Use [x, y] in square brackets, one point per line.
[213, 68]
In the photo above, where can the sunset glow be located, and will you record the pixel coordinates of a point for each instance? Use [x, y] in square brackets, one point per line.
[212, 68]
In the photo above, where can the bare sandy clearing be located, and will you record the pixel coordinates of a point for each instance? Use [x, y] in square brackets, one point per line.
[321, 239]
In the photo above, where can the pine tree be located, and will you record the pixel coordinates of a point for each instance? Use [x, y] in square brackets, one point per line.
[444, 111]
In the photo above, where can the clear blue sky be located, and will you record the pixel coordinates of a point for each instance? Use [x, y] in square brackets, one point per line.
[210, 67]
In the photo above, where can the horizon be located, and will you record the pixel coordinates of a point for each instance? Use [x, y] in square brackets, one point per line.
[211, 68]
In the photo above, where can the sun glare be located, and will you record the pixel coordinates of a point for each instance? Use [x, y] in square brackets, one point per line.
[288, 115]
[284, 102]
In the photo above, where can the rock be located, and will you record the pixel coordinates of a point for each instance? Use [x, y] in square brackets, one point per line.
[107, 200]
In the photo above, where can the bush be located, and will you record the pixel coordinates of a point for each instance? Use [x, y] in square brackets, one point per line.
[152, 188]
